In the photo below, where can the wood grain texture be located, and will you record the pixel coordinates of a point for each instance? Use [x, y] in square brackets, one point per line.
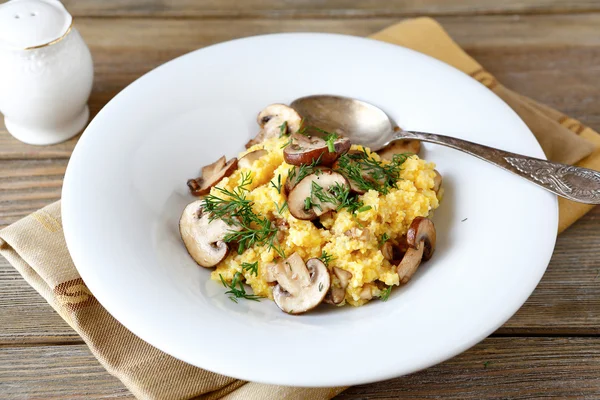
[497, 368]
[552, 58]
[319, 8]
[502, 368]
[56, 372]
[525, 53]
[27, 185]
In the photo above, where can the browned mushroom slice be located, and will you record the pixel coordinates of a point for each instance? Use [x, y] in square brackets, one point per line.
[296, 176]
[300, 287]
[367, 292]
[249, 159]
[275, 120]
[203, 238]
[393, 251]
[211, 175]
[410, 262]
[304, 150]
[337, 294]
[305, 203]
[437, 181]
[421, 238]
[422, 230]
[400, 147]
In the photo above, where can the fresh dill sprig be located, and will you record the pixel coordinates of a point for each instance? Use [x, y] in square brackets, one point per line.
[330, 140]
[254, 230]
[235, 205]
[286, 143]
[326, 258]
[338, 195]
[252, 267]
[384, 238]
[236, 210]
[297, 173]
[282, 208]
[277, 185]
[385, 293]
[369, 174]
[237, 290]
[283, 129]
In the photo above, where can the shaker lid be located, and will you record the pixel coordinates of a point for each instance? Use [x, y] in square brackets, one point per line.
[26, 24]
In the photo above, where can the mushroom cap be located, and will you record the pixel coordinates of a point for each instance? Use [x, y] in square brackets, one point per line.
[272, 118]
[203, 238]
[422, 230]
[211, 175]
[437, 181]
[400, 147]
[247, 160]
[326, 179]
[308, 149]
[301, 287]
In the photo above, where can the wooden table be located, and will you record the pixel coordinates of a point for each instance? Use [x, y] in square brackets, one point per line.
[546, 49]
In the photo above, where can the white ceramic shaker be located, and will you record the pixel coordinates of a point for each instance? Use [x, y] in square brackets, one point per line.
[46, 72]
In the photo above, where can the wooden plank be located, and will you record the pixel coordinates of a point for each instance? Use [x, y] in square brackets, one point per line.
[516, 368]
[566, 302]
[27, 185]
[320, 9]
[56, 372]
[525, 53]
[502, 368]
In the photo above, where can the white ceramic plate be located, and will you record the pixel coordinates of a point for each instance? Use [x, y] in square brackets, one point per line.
[125, 189]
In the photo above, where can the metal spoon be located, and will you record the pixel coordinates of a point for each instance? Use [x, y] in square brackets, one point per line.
[368, 125]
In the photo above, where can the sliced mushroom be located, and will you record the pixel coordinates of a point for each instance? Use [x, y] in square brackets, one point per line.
[421, 238]
[211, 175]
[410, 262]
[302, 195]
[367, 292]
[271, 121]
[270, 272]
[337, 294]
[356, 233]
[422, 230]
[249, 159]
[400, 147]
[308, 149]
[203, 238]
[393, 251]
[292, 179]
[343, 275]
[300, 287]
[437, 181]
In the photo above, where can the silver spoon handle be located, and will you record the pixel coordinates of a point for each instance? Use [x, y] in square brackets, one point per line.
[574, 183]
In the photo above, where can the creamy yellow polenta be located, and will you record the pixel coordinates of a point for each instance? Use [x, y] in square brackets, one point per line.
[352, 240]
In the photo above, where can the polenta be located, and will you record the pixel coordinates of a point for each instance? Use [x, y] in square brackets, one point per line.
[353, 234]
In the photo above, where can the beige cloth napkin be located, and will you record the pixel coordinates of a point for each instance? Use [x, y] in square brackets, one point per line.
[36, 247]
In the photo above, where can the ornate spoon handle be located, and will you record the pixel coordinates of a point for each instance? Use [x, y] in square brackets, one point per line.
[574, 183]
